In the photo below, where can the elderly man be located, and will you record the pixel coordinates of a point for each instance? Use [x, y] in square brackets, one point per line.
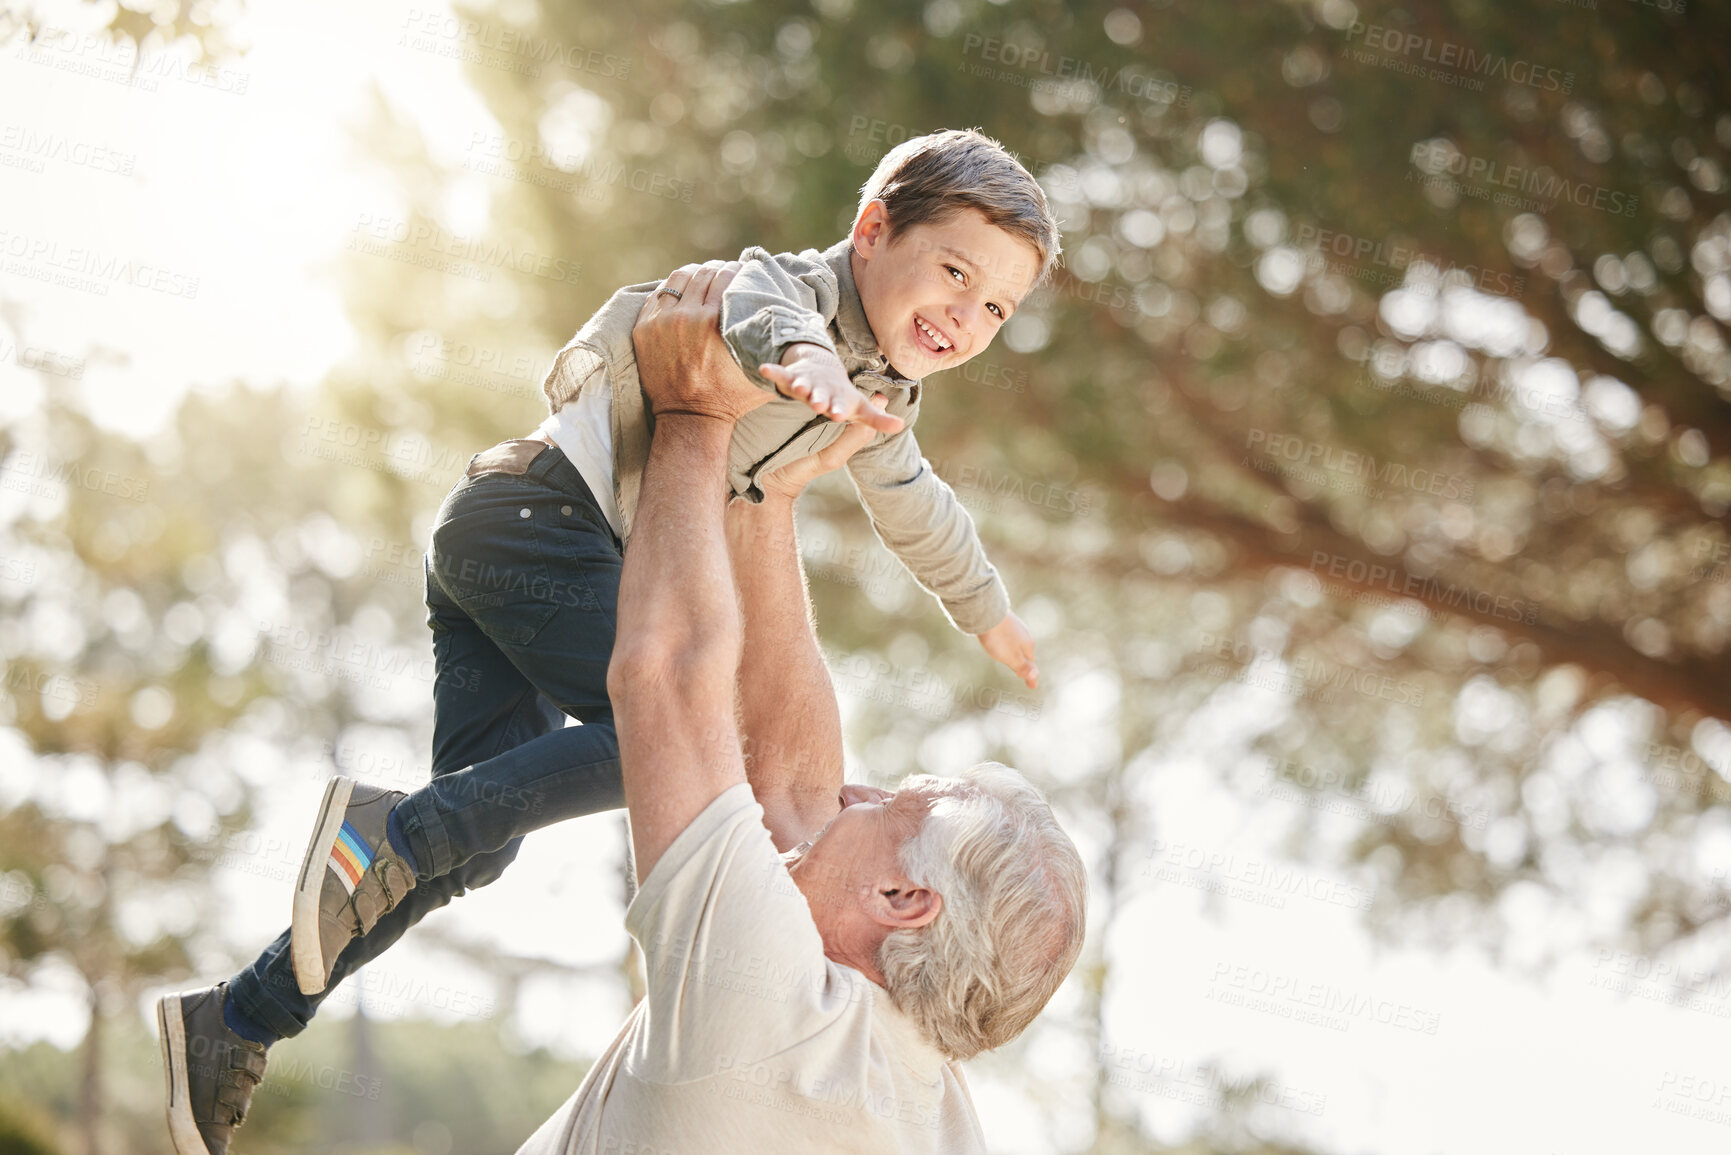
[806, 991]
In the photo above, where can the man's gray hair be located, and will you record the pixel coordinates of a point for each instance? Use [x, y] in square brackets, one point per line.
[1014, 909]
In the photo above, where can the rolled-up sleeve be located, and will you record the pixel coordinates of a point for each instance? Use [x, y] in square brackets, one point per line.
[775, 301]
[919, 519]
[574, 368]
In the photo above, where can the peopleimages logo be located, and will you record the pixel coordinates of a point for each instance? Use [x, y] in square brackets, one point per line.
[118, 60]
[1439, 159]
[496, 154]
[445, 251]
[35, 473]
[402, 453]
[997, 485]
[1397, 581]
[35, 148]
[1455, 63]
[1033, 67]
[87, 269]
[1384, 262]
[1202, 1084]
[1267, 883]
[1314, 455]
[440, 33]
[1319, 1003]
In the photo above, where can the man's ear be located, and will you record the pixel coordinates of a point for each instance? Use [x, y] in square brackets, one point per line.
[900, 905]
[871, 229]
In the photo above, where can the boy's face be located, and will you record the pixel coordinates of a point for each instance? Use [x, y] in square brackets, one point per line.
[936, 293]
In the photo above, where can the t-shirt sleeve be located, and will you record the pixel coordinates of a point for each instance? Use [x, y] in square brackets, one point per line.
[735, 966]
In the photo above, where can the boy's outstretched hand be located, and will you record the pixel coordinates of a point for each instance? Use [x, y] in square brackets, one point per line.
[791, 479]
[813, 374]
[1010, 642]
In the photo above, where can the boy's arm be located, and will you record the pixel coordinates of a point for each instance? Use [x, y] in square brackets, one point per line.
[919, 519]
[775, 319]
[773, 303]
[817, 377]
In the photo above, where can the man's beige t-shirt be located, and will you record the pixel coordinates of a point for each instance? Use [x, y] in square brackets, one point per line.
[749, 1040]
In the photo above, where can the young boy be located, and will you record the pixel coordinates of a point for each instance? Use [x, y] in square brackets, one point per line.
[522, 573]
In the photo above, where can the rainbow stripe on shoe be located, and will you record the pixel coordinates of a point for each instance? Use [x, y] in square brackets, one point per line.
[373, 879]
[350, 857]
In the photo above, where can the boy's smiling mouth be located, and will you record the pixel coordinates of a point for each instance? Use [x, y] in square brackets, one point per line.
[930, 338]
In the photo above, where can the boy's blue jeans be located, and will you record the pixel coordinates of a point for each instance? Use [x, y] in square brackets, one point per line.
[522, 597]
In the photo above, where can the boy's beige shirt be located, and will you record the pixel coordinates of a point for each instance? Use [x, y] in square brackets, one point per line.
[776, 301]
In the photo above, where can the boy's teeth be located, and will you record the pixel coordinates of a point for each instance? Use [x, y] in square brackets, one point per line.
[932, 333]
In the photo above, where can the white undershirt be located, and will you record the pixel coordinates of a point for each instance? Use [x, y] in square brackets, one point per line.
[583, 431]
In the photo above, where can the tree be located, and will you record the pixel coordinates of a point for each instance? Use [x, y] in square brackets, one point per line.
[1377, 410]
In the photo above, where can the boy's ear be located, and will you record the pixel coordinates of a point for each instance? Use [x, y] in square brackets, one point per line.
[871, 229]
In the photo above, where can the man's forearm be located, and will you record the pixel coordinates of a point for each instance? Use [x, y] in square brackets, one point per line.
[676, 585]
[676, 653]
[790, 722]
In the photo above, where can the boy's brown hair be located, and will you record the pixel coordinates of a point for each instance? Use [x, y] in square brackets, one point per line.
[929, 178]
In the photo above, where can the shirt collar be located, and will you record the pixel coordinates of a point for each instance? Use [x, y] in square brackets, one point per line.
[850, 316]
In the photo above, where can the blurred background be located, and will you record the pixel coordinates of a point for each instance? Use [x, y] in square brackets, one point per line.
[1362, 472]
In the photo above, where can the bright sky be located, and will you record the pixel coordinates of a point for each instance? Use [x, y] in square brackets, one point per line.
[254, 195]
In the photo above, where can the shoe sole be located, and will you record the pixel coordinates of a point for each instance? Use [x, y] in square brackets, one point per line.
[306, 950]
[171, 1034]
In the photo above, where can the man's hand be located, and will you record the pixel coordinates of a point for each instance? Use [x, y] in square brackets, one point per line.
[1010, 642]
[813, 374]
[685, 369]
[789, 480]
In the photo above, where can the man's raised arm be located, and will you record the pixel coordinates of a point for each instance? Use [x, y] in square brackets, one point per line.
[676, 658]
[786, 702]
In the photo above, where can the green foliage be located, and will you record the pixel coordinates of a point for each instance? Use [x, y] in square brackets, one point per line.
[24, 1131]
[1497, 533]
[1341, 461]
[454, 1088]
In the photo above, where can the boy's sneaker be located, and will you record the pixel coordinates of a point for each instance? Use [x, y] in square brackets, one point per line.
[211, 1071]
[348, 880]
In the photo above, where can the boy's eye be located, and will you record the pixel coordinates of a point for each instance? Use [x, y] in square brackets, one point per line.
[996, 312]
[957, 273]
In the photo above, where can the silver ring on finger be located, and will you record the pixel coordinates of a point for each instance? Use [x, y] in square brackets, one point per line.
[674, 293]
